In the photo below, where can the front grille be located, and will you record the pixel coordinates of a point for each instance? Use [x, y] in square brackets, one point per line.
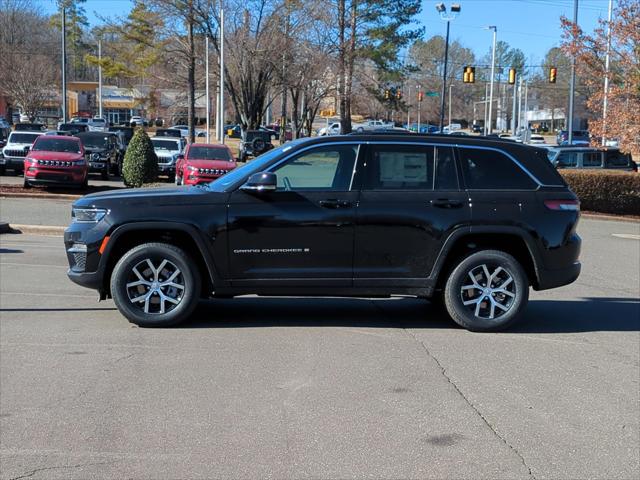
[15, 153]
[211, 171]
[79, 261]
[55, 163]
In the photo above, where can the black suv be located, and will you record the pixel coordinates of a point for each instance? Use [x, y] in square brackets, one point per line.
[101, 152]
[254, 143]
[468, 221]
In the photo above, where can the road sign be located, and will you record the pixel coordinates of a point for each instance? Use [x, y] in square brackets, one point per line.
[432, 94]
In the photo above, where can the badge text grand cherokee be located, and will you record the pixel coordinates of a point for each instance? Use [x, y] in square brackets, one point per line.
[471, 222]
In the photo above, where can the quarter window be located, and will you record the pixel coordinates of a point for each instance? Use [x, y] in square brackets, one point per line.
[591, 159]
[492, 170]
[617, 159]
[326, 168]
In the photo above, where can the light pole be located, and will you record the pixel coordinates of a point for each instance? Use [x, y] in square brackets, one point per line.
[447, 17]
[488, 128]
[64, 64]
[572, 85]
[419, 105]
[450, 88]
[206, 87]
[221, 104]
[606, 77]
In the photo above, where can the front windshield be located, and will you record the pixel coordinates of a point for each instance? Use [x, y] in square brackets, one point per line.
[255, 166]
[209, 153]
[94, 141]
[23, 137]
[164, 144]
[45, 144]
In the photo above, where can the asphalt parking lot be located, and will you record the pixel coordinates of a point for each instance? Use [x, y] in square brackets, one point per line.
[320, 388]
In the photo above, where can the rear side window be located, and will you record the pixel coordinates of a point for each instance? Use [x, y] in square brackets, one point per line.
[592, 159]
[617, 159]
[492, 170]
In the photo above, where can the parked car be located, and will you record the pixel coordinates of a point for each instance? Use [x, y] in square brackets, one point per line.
[536, 139]
[580, 137]
[168, 149]
[97, 124]
[591, 158]
[323, 216]
[254, 143]
[184, 129]
[371, 125]
[233, 131]
[475, 128]
[16, 149]
[127, 133]
[331, 129]
[169, 132]
[203, 163]
[101, 153]
[56, 160]
[138, 121]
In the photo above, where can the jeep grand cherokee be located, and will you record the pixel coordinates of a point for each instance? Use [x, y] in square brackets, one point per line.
[470, 222]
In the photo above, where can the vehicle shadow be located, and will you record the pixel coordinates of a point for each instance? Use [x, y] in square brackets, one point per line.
[541, 316]
[11, 250]
[95, 309]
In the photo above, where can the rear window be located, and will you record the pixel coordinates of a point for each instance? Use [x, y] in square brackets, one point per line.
[618, 159]
[45, 144]
[209, 153]
[492, 170]
[165, 144]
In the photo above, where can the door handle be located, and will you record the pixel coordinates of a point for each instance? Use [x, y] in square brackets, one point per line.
[446, 203]
[334, 203]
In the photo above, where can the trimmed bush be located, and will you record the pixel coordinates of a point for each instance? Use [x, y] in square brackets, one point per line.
[140, 161]
[605, 191]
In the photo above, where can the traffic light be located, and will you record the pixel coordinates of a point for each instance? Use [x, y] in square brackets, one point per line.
[399, 94]
[420, 96]
[553, 73]
[512, 76]
[469, 75]
[387, 94]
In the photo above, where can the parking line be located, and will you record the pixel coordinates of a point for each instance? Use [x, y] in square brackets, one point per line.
[630, 236]
[35, 294]
[32, 265]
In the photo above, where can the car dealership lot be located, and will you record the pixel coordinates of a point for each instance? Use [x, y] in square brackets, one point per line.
[326, 388]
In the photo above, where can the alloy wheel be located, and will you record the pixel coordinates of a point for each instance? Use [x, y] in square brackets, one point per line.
[155, 289]
[489, 292]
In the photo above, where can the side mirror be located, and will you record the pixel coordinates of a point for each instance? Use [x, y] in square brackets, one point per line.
[26, 149]
[180, 157]
[261, 182]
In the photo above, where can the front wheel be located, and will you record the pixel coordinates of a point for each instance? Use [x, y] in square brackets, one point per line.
[155, 285]
[486, 291]
[178, 179]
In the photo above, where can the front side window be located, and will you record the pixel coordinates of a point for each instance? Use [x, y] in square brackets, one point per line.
[323, 168]
[492, 170]
[567, 160]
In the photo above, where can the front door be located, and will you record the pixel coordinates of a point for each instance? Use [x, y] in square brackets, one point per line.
[302, 233]
[410, 202]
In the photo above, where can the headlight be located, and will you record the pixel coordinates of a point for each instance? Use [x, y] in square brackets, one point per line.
[192, 168]
[88, 215]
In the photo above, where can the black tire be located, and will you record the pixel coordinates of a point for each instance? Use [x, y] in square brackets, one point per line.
[178, 179]
[26, 184]
[2, 170]
[189, 278]
[172, 177]
[104, 175]
[510, 294]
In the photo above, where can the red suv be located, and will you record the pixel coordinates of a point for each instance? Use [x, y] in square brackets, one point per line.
[203, 162]
[55, 160]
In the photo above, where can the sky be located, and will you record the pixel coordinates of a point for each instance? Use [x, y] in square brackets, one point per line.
[530, 25]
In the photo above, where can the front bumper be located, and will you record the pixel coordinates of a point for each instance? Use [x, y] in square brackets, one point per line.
[166, 168]
[55, 176]
[99, 166]
[14, 163]
[82, 243]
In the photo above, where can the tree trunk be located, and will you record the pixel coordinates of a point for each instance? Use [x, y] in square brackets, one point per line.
[345, 116]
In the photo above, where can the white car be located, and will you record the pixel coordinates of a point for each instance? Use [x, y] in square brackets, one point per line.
[137, 120]
[331, 129]
[184, 129]
[16, 149]
[97, 124]
[167, 150]
[371, 125]
[536, 140]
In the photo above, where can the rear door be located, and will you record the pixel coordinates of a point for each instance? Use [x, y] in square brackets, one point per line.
[410, 201]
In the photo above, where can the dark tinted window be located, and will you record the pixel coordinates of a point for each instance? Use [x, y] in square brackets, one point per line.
[401, 167]
[23, 137]
[446, 177]
[94, 141]
[567, 160]
[492, 170]
[592, 159]
[617, 159]
[209, 153]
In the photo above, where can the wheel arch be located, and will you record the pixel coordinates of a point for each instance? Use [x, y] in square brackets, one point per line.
[184, 236]
[461, 243]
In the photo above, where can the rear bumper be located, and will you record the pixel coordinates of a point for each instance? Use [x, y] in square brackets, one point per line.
[558, 277]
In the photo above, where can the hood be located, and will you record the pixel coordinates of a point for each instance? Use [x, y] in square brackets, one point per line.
[151, 198]
[215, 164]
[64, 156]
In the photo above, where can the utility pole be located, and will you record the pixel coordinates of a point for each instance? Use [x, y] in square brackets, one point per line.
[64, 64]
[100, 78]
[519, 106]
[409, 107]
[488, 129]
[606, 76]
[486, 107]
[526, 107]
[206, 85]
[221, 105]
[450, 88]
[572, 86]
[513, 114]
[419, 105]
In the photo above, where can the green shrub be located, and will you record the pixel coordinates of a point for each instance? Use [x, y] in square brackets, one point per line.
[140, 161]
[605, 191]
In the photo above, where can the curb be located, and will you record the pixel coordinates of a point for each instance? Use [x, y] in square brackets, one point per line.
[610, 218]
[50, 230]
[44, 196]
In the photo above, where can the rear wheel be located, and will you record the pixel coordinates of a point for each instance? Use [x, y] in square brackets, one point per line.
[155, 285]
[486, 291]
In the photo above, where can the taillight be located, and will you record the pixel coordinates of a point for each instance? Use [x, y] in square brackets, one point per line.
[570, 205]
